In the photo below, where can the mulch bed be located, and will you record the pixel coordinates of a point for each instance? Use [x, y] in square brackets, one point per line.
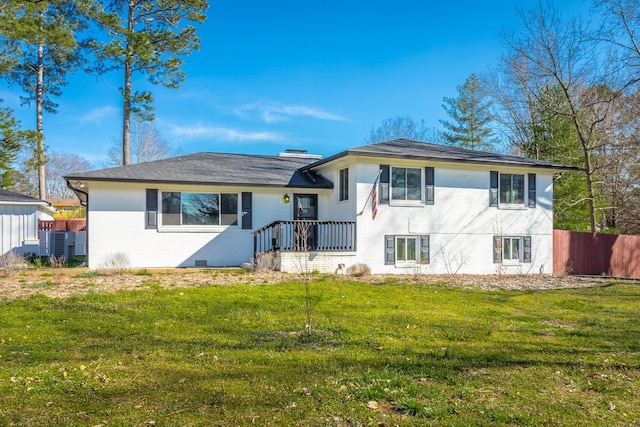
[65, 282]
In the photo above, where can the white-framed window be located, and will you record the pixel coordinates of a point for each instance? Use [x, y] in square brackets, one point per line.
[406, 249]
[512, 249]
[512, 189]
[199, 209]
[406, 184]
[344, 184]
[403, 250]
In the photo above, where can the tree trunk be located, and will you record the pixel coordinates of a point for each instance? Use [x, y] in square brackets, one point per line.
[128, 65]
[42, 193]
[592, 202]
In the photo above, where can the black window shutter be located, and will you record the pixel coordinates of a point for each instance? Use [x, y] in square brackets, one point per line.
[384, 184]
[389, 250]
[497, 249]
[424, 250]
[493, 189]
[429, 185]
[532, 190]
[151, 214]
[526, 249]
[246, 211]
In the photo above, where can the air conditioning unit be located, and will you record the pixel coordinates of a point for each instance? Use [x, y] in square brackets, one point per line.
[80, 247]
[62, 244]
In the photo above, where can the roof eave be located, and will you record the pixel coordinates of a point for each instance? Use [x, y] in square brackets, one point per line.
[551, 166]
[209, 183]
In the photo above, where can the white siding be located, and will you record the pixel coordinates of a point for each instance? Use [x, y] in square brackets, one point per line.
[117, 224]
[460, 224]
[19, 223]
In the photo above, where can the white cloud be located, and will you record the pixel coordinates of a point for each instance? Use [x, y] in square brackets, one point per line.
[97, 115]
[222, 134]
[274, 113]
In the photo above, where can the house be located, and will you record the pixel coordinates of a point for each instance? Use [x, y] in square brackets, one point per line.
[67, 207]
[19, 216]
[400, 207]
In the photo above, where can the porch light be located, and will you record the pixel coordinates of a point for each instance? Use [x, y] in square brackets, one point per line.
[286, 198]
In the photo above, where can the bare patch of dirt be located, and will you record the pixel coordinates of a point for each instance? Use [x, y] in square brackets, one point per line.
[65, 282]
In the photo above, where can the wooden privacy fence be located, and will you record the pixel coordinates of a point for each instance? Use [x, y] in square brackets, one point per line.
[72, 224]
[595, 254]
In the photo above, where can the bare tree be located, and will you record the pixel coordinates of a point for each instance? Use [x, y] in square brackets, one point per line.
[553, 54]
[303, 232]
[403, 127]
[621, 32]
[59, 164]
[146, 145]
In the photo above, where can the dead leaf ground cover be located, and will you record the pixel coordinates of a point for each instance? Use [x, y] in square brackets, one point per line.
[65, 282]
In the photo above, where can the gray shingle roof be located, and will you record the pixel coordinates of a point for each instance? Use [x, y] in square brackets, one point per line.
[215, 169]
[409, 149]
[297, 172]
[11, 197]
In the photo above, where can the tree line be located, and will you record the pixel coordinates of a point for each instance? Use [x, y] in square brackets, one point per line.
[566, 91]
[42, 42]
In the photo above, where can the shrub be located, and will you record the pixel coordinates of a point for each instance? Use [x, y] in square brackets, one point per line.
[358, 270]
[58, 262]
[117, 262]
[267, 261]
[12, 261]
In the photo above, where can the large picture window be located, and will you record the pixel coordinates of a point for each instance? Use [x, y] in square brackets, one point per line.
[199, 208]
[511, 189]
[406, 184]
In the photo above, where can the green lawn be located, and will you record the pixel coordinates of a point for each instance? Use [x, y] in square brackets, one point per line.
[383, 355]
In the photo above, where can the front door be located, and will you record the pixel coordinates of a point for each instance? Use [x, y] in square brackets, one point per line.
[305, 210]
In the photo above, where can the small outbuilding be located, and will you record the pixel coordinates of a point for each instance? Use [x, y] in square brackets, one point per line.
[19, 216]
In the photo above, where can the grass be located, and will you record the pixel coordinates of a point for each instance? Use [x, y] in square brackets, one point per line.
[382, 355]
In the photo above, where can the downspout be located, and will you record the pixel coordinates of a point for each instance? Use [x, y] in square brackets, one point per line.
[86, 205]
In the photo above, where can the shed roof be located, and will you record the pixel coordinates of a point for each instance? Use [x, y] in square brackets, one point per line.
[7, 196]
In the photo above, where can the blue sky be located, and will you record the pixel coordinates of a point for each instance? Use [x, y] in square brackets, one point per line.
[310, 74]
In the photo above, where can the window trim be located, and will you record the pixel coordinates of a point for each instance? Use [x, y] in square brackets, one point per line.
[200, 227]
[422, 250]
[528, 190]
[405, 201]
[416, 249]
[343, 180]
[506, 246]
[500, 189]
[524, 250]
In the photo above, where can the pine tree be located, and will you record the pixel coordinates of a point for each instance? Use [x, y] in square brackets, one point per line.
[11, 141]
[39, 49]
[471, 115]
[147, 37]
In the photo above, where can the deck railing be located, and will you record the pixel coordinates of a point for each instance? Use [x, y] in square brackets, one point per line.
[305, 235]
